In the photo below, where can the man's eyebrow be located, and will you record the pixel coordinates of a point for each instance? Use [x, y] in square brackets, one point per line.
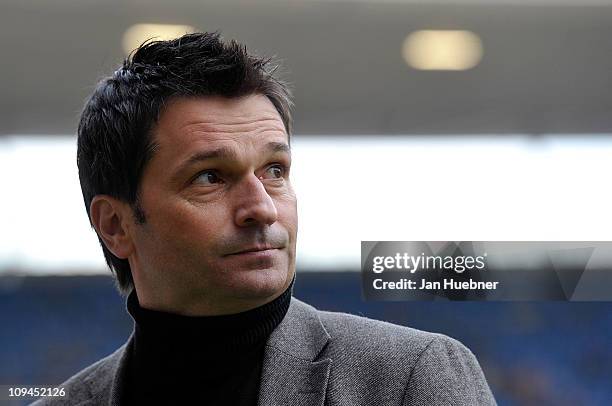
[278, 147]
[218, 153]
[227, 153]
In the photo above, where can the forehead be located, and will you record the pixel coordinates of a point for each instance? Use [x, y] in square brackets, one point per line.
[188, 124]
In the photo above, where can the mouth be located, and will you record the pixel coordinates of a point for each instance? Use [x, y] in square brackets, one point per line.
[255, 250]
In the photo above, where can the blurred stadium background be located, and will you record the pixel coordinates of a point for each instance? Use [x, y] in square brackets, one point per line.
[415, 120]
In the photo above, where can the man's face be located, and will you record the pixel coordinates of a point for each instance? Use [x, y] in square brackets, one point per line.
[217, 185]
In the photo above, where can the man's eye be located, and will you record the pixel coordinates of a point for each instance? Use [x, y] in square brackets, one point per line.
[274, 172]
[207, 178]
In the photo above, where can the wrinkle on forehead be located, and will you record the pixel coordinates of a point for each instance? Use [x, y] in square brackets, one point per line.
[216, 115]
[202, 124]
[226, 124]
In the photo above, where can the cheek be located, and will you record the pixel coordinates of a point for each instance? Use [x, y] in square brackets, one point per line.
[184, 226]
[287, 215]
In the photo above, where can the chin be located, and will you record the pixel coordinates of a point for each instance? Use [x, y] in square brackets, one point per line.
[258, 284]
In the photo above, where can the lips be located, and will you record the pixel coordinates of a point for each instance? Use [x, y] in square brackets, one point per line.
[255, 249]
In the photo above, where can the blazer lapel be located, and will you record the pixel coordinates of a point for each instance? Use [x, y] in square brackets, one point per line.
[106, 384]
[292, 374]
[120, 375]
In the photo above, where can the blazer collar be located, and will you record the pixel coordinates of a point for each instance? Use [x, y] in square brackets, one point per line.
[292, 374]
[300, 333]
[106, 384]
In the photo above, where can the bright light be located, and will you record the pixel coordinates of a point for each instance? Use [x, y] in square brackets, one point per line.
[504, 188]
[442, 50]
[139, 33]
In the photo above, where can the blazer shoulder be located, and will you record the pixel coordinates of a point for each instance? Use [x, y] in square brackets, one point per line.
[428, 368]
[388, 350]
[367, 332]
[447, 372]
[88, 382]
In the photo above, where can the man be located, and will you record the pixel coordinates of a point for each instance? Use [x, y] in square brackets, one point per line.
[184, 160]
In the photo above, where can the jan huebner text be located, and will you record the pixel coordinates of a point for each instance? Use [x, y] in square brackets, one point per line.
[407, 284]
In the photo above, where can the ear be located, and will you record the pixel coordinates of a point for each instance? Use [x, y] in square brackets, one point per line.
[111, 218]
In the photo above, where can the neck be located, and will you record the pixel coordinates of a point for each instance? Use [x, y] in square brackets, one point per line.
[226, 330]
[196, 304]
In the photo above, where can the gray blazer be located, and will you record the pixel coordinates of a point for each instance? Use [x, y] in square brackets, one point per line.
[325, 358]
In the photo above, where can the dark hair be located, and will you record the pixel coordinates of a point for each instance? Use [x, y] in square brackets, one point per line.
[115, 130]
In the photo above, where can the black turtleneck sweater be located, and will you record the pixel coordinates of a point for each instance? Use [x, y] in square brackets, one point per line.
[208, 360]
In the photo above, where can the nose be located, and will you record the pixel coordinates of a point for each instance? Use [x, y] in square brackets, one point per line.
[255, 206]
